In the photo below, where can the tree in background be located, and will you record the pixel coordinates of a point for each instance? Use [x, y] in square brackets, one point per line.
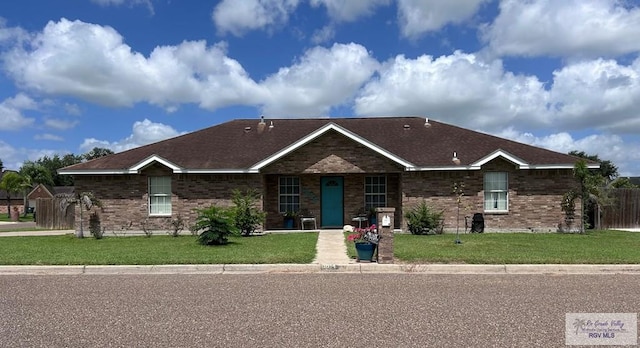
[52, 164]
[13, 183]
[97, 152]
[33, 174]
[607, 169]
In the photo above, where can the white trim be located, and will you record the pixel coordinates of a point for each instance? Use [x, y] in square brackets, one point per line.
[477, 165]
[500, 153]
[328, 127]
[150, 160]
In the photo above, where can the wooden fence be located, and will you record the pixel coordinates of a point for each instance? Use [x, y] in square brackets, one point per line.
[625, 212]
[55, 214]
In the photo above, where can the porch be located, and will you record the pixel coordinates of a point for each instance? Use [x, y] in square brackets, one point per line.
[332, 199]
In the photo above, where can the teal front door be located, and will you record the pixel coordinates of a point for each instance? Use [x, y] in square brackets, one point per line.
[332, 199]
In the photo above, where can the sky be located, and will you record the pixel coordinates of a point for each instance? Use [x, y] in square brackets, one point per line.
[117, 74]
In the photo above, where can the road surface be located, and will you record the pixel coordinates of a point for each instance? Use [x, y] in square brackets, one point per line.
[303, 310]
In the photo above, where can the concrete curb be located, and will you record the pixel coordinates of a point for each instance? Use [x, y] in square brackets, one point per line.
[362, 268]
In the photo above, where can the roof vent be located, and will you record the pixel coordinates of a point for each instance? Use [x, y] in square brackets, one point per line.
[426, 122]
[406, 126]
[261, 124]
[271, 125]
[247, 129]
[455, 158]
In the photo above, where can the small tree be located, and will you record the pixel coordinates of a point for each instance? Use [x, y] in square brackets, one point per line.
[593, 190]
[247, 216]
[13, 183]
[215, 225]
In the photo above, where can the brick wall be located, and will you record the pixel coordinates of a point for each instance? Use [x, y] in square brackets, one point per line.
[125, 197]
[534, 197]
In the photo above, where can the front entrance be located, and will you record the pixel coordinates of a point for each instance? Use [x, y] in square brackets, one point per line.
[332, 201]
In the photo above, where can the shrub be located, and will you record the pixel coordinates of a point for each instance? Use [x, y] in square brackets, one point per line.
[94, 226]
[247, 216]
[214, 225]
[423, 220]
[146, 228]
[177, 225]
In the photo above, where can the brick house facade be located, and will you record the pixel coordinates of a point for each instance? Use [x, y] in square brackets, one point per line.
[397, 162]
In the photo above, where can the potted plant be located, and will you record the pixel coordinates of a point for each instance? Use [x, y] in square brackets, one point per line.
[289, 217]
[365, 241]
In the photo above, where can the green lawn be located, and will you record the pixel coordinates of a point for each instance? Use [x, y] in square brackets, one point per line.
[595, 247]
[68, 250]
[5, 217]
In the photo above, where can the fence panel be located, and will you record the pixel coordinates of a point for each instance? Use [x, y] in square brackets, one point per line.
[625, 212]
[54, 214]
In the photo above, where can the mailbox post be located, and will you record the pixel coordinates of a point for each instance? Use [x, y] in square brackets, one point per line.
[385, 218]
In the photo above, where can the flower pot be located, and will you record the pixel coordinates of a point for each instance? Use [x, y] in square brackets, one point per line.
[288, 223]
[365, 251]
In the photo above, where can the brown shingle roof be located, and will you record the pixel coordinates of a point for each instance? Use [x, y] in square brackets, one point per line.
[238, 144]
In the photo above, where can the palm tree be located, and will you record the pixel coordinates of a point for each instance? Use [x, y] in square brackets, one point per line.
[12, 182]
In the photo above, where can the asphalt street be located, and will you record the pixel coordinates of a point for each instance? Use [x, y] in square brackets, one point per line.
[303, 310]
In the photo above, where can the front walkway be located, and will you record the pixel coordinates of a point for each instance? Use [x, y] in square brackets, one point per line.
[331, 248]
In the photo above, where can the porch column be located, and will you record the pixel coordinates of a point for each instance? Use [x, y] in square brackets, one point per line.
[384, 217]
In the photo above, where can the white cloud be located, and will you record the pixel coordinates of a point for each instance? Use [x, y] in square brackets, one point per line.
[130, 3]
[143, 133]
[59, 124]
[322, 78]
[11, 112]
[48, 136]
[72, 109]
[421, 16]
[564, 28]
[351, 10]
[597, 94]
[460, 87]
[325, 34]
[238, 17]
[12, 34]
[92, 63]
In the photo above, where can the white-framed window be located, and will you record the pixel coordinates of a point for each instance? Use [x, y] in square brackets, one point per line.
[375, 192]
[495, 192]
[289, 194]
[160, 195]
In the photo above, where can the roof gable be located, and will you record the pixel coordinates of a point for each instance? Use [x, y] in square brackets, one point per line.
[327, 128]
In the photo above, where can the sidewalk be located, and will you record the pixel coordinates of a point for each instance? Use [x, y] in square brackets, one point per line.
[331, 257]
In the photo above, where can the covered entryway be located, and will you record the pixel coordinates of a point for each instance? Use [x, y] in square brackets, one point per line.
[332, 201]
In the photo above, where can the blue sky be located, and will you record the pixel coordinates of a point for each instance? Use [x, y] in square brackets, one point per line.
[75, 75]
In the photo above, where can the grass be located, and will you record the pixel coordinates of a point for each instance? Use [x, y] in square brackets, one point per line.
[69, 250]
[5, 218]
[594, 247]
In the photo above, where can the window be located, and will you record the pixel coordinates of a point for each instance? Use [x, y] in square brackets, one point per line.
[495, 192]
[289, 194]
[375, 192]
[160, 195]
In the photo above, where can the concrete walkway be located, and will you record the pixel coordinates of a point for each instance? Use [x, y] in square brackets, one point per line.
[331, 248]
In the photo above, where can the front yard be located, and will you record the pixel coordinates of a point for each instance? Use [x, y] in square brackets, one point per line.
[595, 247]
[69, 250]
